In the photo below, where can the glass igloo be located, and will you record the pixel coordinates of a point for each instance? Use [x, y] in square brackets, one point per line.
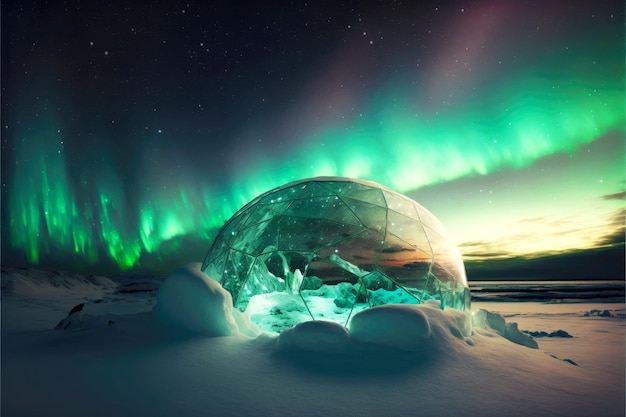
[326, 248]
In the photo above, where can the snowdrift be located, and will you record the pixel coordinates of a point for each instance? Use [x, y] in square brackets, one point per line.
[126, 359]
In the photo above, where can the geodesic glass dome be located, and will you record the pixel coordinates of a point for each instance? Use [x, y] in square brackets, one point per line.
[328, 247]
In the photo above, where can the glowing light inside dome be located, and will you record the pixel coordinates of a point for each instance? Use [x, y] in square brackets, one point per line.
[328, 247]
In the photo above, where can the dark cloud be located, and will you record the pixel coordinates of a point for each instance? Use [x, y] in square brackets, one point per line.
[616, 196]
[618, 235]
[602, 263]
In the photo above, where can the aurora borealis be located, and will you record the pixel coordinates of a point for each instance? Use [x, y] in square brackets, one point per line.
[131, 133]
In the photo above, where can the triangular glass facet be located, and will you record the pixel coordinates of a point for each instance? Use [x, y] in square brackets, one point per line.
[370, 215]
[401, 205]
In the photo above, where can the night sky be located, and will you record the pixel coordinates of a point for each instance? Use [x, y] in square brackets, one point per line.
[132, 130]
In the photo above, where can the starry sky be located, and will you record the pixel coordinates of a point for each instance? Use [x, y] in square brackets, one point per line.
[131, 131]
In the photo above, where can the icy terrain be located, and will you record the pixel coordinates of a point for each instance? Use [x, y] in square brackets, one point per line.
[121, 358]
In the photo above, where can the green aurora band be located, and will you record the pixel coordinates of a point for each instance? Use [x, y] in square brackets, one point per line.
[393, 141]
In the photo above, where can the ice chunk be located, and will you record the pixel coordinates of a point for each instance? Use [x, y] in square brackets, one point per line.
[485, 319]
[513, 333]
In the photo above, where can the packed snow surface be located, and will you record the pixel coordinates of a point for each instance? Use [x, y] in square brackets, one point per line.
[190, 300]
[394, 360]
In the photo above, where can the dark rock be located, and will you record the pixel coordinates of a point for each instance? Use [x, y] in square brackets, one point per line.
[77, 308]
[558, 333]
[72, 319]
[598, 313]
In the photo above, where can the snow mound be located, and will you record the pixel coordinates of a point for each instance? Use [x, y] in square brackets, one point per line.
[245, 326]
[189, 300]
[397, 327]
[316, 335]
[393, 325]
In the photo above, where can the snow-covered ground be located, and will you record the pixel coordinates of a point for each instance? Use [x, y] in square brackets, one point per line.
[118, 358]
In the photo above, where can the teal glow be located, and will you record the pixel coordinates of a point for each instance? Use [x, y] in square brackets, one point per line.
[330, 247]
[404, 147]
[45, 214]
[395, 137]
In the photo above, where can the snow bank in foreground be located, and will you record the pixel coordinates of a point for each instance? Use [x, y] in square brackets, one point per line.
[404, 327]
[401, 327]
[122, 361]
[189, 300]
[319, 336]
[392, 325]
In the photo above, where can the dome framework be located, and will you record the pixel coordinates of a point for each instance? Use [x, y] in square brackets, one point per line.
[328, 247]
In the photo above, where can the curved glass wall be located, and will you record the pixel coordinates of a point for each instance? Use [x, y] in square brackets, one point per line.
[328, 247]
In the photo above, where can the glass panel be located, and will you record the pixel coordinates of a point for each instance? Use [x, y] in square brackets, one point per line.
[382, 290]
[215, 268]
[313, 190]
[409, 230]
[231, 281]
[329, 273]
[330, 208]
[218, 247]
[260, 213]
[282, 195]
[401, 204]
[407, 273]
[260, 281]
[338, 211]
[360, 302]
[255, 239]
[431, 290]
[447, 261]
[369, 195]
[311, 207]
[453, 295]
[259, 239]
[429, 220]
[298, 233]
[279, 207]
[328, 249]
[361, 250]
[240, 216]
[370, 215]
[231, 229]
[332, 233]
[342, 187]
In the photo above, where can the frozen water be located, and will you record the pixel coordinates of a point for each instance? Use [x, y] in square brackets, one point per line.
[329, 247]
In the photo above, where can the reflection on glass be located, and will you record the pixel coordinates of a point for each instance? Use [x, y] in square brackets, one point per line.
[328, 247]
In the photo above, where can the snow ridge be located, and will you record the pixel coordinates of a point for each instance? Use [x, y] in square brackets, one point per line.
[31, 282]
